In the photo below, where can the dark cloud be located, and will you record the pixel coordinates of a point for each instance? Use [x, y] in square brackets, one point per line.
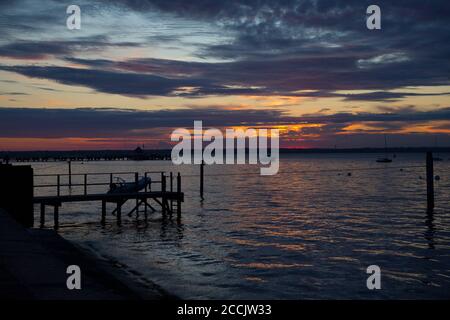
[42, 49]
[146, 77]
[117, 123]
[387, 96]
[273, 47]
[130, 84]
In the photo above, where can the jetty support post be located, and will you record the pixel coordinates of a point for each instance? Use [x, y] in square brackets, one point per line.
[85, 184]
[202, 171]
[171, 190]
[163, 193]
[136, 181]
[430, 182]
[145, 200]
[58, 185]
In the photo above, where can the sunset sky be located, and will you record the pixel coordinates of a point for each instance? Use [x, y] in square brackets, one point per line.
[139, 69]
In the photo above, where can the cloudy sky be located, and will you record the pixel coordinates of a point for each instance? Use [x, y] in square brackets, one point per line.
[138, 69]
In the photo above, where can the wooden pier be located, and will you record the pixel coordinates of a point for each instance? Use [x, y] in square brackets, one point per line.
[167, 196]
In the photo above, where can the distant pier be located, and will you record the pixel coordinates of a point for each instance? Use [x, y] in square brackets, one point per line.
[137, 154]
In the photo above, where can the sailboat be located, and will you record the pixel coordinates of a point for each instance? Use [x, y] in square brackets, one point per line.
[437, 158]
[385, 159]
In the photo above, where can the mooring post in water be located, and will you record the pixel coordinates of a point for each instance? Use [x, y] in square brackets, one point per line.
[430, 182]
[202, 167]
[70, 173]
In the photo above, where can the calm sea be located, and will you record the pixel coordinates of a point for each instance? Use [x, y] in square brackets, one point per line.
[309, 232]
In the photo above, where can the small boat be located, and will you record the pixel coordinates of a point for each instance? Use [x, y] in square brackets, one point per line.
[437, 158]
[385, 159]
[121, 186]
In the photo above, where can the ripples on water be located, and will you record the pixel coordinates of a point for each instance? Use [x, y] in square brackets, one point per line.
[295, 235]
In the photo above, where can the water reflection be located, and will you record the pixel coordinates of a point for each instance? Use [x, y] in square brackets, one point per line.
[288, 236]
[171, 229]
[431, 230]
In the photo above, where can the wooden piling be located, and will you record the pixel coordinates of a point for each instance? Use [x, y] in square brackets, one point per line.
[58, 183]
[163, 197]
[145, 201]
[85, 184]
[136, 181]
[163, 181]
[171, 190]
[430, 182]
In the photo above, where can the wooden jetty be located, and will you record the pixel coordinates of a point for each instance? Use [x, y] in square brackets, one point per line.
[167, 196]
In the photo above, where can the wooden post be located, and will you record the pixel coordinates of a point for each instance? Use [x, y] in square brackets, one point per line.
[70, 173]
[179, 194]
[103, 221]
[58, 182]
[163, 182]
[110, 179]
[146, 186]
[136, 181]
[85, 184]
[201, 179]
[145, 200]
[430, 182]
[163, 191]
[42, 215]
[56, 217]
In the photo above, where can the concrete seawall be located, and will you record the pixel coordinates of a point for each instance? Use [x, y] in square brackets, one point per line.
[33, 265]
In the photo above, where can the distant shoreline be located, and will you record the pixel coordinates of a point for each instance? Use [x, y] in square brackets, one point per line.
[167, 152]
